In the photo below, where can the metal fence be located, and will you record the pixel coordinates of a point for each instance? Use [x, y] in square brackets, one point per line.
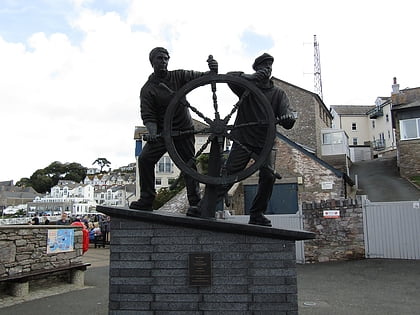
[392, 229]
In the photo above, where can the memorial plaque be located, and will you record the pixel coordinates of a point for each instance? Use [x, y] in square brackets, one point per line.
[199, 268]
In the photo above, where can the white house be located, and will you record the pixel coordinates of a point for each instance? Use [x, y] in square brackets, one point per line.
[67, 196]
[104, 181]
[380, 127]
[117, 195]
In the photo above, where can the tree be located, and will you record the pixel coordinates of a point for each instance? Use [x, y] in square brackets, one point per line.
[102, 162]
[41, 182]
[24, 182]
[43, 179]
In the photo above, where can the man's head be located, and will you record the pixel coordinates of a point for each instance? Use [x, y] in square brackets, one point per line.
[263, 61]
[159, 58]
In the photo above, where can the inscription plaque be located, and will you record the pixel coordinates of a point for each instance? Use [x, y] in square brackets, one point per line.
[199, 267]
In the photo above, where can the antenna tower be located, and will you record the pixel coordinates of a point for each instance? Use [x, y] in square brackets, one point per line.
[317, 69]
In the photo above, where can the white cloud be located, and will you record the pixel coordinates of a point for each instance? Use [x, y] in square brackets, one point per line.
[76, 100]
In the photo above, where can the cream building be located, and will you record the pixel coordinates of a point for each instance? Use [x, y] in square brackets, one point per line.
[380, 127]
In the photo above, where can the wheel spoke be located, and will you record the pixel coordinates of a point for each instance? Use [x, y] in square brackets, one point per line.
[236, 106]
[204, 146]
[200, 114]
[244, 147]
[261, 123]
[215, 105]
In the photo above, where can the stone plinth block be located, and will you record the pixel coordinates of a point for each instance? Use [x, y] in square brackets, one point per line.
[172, 264]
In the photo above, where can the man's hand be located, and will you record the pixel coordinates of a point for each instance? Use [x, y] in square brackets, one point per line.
[287, 121]
[152, 130]
[263, 74]
[213, 64]
[260, 75]
[150, 138]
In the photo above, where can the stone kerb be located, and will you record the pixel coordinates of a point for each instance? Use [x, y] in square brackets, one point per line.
[338, 226]
[23, 248]
[252, 270]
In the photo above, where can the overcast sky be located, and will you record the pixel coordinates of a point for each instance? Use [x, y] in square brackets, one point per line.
[71, 70]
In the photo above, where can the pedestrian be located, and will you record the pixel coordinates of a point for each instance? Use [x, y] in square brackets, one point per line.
[98, 236]
[77, 222]
[35, 220]
[63, 220]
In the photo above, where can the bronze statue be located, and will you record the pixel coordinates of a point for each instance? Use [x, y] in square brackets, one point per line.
[251, 139]
[155, 96]
[166, 112]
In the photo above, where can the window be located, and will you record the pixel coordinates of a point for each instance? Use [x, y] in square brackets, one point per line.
[373, 124]
[353, 126]
[410, 129]
[354, 141]
[165, 165]
[332, 138]
[158, 181]
[387, 117]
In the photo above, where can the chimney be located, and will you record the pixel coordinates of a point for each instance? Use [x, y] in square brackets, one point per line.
[395, 87]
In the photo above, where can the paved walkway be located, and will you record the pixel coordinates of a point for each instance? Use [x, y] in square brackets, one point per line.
[66, 299]
[363, 287]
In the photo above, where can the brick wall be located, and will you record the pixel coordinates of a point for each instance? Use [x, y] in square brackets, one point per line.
[336, 238]
[149, 271]
[24, 248]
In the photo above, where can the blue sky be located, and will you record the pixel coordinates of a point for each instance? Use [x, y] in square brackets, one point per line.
[19, 19]
[71, 70]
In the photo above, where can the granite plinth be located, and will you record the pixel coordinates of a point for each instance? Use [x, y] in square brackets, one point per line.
[252, 268]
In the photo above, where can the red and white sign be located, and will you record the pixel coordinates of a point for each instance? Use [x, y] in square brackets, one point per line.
[332, 214]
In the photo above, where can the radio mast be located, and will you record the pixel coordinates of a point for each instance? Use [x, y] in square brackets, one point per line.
[317, 70]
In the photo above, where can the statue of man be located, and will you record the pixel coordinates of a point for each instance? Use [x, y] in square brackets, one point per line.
[254, 137]
[155, 96]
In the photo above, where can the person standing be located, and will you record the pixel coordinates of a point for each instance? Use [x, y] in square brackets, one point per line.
[63, 220]
[254, 137]
[155, 96]
[85, 233]
[35, 220]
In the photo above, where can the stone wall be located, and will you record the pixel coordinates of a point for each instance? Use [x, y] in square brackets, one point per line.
[312, 116]
[409, 160]
[292, 163]
[304, 131]
[336, 239]
[23, 248]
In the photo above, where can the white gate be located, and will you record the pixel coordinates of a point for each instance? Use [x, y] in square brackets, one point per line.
[282, 221]
[392, 229]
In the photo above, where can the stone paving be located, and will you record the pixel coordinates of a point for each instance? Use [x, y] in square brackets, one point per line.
[96, 257]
